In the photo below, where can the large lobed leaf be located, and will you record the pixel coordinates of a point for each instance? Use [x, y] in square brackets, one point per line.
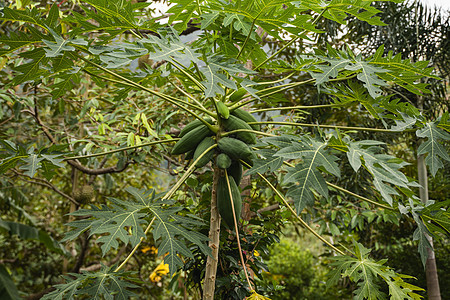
[367, 273]
[29, 160]
[304, 177]
[123, 221]
[104, 284]
[384, 168]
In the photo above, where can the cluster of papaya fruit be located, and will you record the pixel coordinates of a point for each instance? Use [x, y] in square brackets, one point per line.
[196, 138]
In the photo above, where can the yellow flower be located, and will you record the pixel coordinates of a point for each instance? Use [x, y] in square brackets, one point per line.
[255, 253]
[152, 250]
[161, 270]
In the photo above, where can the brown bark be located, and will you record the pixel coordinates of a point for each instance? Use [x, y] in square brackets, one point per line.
[214, 241]
[433, 289]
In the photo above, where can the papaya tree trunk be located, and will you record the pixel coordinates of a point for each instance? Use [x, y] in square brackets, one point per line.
[433, 289]
[214, 241]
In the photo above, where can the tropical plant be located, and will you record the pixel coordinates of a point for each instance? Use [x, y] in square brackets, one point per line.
[104, 82]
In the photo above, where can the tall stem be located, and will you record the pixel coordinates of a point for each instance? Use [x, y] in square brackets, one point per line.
[214, 241]
[237, 232]
[433, 289]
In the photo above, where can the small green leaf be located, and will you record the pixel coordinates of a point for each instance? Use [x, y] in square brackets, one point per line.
[32, 164]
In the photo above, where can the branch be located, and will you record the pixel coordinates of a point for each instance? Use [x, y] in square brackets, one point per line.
[302, 222]
[84, 241]
[296, 107]
[45, 183]
[359, 197]
[329, 126]
[96, 267]
[102, 171]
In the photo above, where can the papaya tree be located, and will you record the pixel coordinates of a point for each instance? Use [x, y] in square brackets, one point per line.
[104, 83]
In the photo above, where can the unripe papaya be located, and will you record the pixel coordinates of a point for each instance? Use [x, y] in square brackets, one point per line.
[205, 144]
[223, 110]
[235, 170]
[236, 149]
[223, 161]
[189, 155]
[234, 123]
[192, 125]
[237, 94]
[224, 201]
[191, 139]
[247, 117]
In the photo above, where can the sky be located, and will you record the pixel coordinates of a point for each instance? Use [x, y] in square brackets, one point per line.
[445, 4]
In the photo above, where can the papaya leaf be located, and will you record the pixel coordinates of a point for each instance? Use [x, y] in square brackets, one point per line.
[19, 39]
[168, 227]
[311, 150]
[368, 75]
[104, 284]
[208, 19]
[121, 12]
[215, 72]
[437, 217]
[120, 222]
[280, 141]
[64, 62]
[32, 164]
[65, 83]
[215, 80]
[305, 178]
[183, 11]
[123, 221]
[33, 70]
[368, 273]
[169, 45]
[269, 162]
[384, 168]
[355, 92]
[432, 146]
[32, 16]
[271, 15]
[402, 72]
[406, 123]
[305, 174]
[239, 23]
[422, 234]
[330, 71]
